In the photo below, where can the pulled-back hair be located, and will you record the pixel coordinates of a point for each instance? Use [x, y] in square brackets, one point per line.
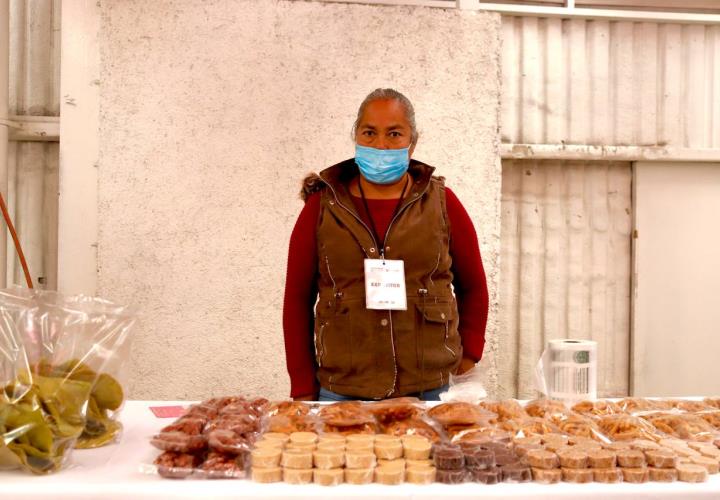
[381, 94]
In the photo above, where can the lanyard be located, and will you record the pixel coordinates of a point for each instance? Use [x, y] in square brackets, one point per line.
[370, 217]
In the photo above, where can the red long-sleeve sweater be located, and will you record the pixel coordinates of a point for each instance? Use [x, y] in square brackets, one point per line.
[301, 285]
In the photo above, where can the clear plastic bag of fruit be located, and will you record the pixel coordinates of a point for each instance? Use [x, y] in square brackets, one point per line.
[62, 368]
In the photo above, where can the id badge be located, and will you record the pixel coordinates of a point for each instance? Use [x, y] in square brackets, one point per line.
[385, 284]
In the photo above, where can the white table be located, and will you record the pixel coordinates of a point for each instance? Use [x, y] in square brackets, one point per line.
[114, 472]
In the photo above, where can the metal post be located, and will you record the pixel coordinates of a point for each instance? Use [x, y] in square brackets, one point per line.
[4, 125]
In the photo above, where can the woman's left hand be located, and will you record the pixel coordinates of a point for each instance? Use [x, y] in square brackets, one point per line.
[465, 365]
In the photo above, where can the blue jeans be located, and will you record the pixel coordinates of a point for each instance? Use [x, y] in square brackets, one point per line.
[430, 395]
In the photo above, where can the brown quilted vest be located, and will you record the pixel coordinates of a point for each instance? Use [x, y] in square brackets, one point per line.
[377, 354]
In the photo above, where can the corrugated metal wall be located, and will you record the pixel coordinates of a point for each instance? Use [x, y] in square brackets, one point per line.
[579, 81]
[565, 267]
[33, 166]
[566, 242]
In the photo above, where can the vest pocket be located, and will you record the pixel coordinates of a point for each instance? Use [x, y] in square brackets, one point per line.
[437, 337]
[332, 344]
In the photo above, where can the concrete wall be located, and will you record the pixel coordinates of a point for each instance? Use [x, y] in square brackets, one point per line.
[210, 115]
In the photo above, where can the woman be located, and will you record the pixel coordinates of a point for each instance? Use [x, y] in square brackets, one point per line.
[365, 221]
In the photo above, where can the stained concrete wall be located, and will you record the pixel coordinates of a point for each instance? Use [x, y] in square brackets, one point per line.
[212, 112]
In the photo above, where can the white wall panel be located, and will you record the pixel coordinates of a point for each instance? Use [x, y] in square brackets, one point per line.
[677, 290]
[583, 81]
[565, 267]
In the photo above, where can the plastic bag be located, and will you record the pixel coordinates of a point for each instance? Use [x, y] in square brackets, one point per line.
[506, 409]
[597, 408]
[633, 406]
[546, 408]
[414, 426]
[405, 416]
[574, 424]
[62, 361]
[691, 406]
[680, 425]
[464, 421]
[467, 387]
[392, 410]
[714, 402]
[212, 440]
[292, 416]
[461, 413]
[285, 424]
[712, 417]
[557, 418]
[289, 408]
[479, 433]
[347, 417]
[529, 426]
[627, 427]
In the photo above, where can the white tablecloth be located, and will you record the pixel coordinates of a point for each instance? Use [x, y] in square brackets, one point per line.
[114, 472]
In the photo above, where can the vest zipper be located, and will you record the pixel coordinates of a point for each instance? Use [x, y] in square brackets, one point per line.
[337, 200]
[402, 209]
[446, 339]
[392, 343]
[387, 232]
[382, 254]
[322, 344]
[327, 263]
[437, 264]
[322, 327]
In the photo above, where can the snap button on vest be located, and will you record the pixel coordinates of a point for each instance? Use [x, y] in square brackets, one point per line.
[383, 322]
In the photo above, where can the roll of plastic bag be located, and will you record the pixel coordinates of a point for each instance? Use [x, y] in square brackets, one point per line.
[567, 370]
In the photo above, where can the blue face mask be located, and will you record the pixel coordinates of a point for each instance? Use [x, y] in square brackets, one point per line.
[382, 166]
